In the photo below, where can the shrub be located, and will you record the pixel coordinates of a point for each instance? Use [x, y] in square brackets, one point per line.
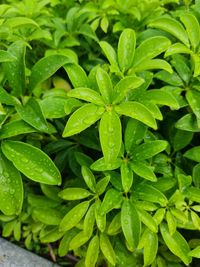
[99, 126]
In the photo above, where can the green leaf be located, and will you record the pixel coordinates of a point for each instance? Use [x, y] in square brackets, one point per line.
[32, 114]
[92, 252]
[123, 87]
[188, 123]
[82, 119]
[109, 53]
[115, 225]
[71, 104]
[65, 241]
[193, 154]
[193, 98]
[73, 217]
[162, 97]
[45, 68]
[78, 240]
[111, 200]
[153, 64]
[6, 98]
[196, 175]
[74, 193]
[126, 176]
[176, 244]
[171, 26]
[134, 133]
[54, 107]
[150, 247]
[126, 49]
[101, 165]
[107, 249]
[102, 184]
[130, 223]
[150, 48]
[192, 27]
[177, 48]
[150, 193]
[14, 128]
[15, 70]
[100, 219]
[87, 31]
[195, 253]
[89, 221]
[48, 216]
[20, 22]
[105, 85]
[6, 56]
[32, 162]
[88, 178]
[143, 171]
[76, 75]
[150, 149]
[110, 132]
[196, 64]
[86, 94]
[171, 222]
[148, 220]
[181, 139]
[11, 188]
[137, 111]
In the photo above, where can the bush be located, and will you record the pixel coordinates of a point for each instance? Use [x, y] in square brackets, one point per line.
[99, 130]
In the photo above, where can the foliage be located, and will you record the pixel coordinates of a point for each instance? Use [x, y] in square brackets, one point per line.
[99, 126]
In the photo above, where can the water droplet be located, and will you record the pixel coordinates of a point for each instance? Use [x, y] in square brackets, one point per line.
[110, 129]
[12, 191]
[6, 175]
[111, 145]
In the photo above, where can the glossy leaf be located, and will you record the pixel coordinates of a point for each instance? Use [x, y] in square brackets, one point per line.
[32, 162]
[137, 111]
[195, 252]
[15, 70]
[111, 200]
[107, 249]
[150, 247]
[110, 135]
[176, 243]
[126, 176]
[100, 219]
[188, 123]
[88, 178]
[144, 171]
[126, 49]
[32, 114]
[153, 64]
[76, 75]
[82, 119]
[130, 223]
[193, 154]
[148, 220]
[105, 85]
[92, 252]
[47, 216]
[11, 188]
[109, 52]
[73, 217]
[193, 98]
[171, 26]
[89, 221]
[74, 193]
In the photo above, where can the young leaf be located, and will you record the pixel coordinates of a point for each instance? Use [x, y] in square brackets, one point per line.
[195, 253]
[193, 98]
[193, 154]
[5, 56]
[171, 222]
[126, 49]
[65, 241]
[176, 244]
[89, 221]
[76, 75]
[188, 123]
[109, 52]
[130, 223]
[137, 111]
[112, 200]
[32, 114]
[105, 85]
[171, 26]
[32, 162]
[78, 240]
[89, 178]
[110, 132]
[124, 86]
[134, 133]
[177, 48]
[126, 176]
[82, 119]
[143, 171]
[48, 216]
[107, 249]
[150, 149]
[15, 128]
[73, 217]
[87, 94]
[148, 220]
[150, 247]
[7, 99]
[115, 225]
[11, 188]
[100, 219]
[74, 193]
[153, 64]
[15, 70]
[192, 27]
[92, 252]
[150, 48]
[45, 68]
